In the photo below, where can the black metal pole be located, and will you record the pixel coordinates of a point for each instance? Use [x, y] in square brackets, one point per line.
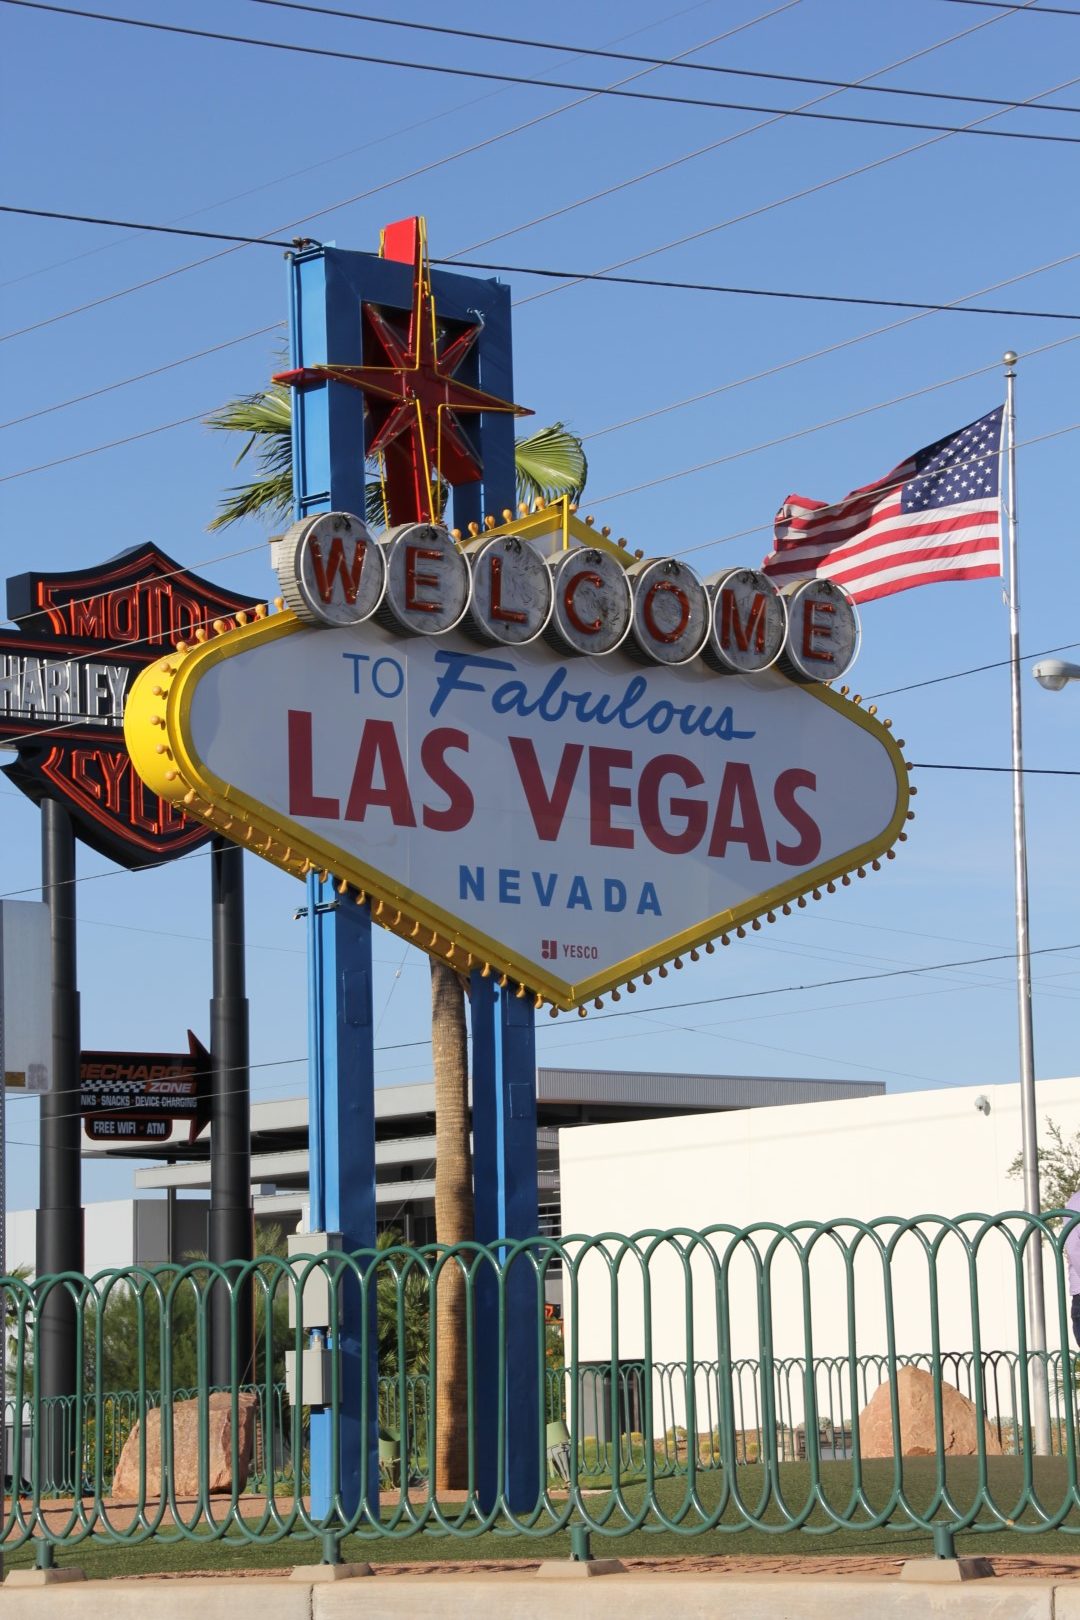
[60, 1215]
[230, 1235]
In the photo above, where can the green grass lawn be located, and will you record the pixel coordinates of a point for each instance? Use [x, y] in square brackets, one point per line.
[899, 1539]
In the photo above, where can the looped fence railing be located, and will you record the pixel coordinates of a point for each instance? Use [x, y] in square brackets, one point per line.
[701, 1382]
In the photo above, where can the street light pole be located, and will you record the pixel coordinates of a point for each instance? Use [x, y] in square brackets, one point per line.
[1036, 1305]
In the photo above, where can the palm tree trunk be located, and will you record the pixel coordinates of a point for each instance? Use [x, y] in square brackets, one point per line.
[453, 1222]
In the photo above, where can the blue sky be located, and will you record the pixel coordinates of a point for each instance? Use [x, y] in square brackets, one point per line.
[131, 124]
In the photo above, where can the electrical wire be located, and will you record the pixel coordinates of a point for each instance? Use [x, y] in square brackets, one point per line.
[444, 69]
[687, 472]
[976, 669]
[836, 421]
[710, 393]
[387, 185]
[716, 145]
[165, 230]
[758, 292]
[675, 1006]
[816, 354]
[654, 61]
[142, 376]
[394, 135]
[926, 306]
[110, 444]
[1001, 5]
[779, 202]
[751, 23]
[1004, 770]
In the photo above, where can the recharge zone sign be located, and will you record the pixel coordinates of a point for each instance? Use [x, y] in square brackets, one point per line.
[558, 766]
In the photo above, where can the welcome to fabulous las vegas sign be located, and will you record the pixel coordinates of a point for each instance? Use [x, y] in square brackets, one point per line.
[531, 752]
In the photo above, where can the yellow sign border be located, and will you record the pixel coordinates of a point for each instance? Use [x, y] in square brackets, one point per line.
[157, 731]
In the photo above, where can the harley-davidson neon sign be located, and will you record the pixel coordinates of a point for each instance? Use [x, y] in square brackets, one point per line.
[80, 640]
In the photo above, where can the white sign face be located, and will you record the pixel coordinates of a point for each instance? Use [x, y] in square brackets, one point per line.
[570, 821]
[428, 584]
[671, 610]
[331, 570]
[823, 630]
[26, 1022]
[593, 602]
[749, 622]
[512, 591]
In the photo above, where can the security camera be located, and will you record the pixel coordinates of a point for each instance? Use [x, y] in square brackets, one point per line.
[983, 1104]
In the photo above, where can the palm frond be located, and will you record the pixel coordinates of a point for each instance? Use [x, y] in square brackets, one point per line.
[263, 497]
[265, 419]
[550, 463]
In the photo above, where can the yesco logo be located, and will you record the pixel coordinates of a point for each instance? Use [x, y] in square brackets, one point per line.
[416, 581]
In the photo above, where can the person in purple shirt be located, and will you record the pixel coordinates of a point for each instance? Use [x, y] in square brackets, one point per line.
[1072, 1255]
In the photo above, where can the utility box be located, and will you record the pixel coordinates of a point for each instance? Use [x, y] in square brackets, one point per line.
[315, 1370]
[316, 1287]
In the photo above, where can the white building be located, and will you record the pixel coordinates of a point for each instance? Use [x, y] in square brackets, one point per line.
[814, 1293]
[405, 1142]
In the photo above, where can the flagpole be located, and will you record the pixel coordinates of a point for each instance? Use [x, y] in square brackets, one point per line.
[1036, 1311]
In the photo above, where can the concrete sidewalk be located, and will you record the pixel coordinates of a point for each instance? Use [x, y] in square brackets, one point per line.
[643, 1593]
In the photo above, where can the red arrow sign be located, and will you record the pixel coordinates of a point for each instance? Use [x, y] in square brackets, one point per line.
[139, 1090]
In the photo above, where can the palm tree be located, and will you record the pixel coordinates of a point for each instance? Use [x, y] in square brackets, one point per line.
[550, 463]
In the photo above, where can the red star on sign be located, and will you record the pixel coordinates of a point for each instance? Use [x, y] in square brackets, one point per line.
[414, 401]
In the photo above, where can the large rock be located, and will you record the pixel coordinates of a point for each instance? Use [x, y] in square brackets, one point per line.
[185, 1441]
[915, 1398]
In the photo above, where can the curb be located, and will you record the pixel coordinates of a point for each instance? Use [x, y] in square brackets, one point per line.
[522, 1597]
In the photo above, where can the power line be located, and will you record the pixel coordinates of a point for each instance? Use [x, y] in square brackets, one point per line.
[1002, 5]
[394, 134]
[725, 141]
[1003, 770]
[835, 421]
[976, 669]
[706, 1001]
[927, 306]
[660, 61]
[141, 376]
[822, 984]
[781, 202]
[165, 230]
[110, 444]
[665, 478]
[814, 354]
[541, 118]
[757, 292]
[446, 70]
[401, 179]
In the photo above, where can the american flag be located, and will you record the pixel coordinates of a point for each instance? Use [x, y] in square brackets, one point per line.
[937, 516]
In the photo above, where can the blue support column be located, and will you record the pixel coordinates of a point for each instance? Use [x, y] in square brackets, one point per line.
[341, 1135]
[328, 288]
[509, 1420]
[328, 467]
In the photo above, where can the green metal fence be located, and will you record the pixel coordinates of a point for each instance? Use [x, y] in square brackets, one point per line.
[707, 1383]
